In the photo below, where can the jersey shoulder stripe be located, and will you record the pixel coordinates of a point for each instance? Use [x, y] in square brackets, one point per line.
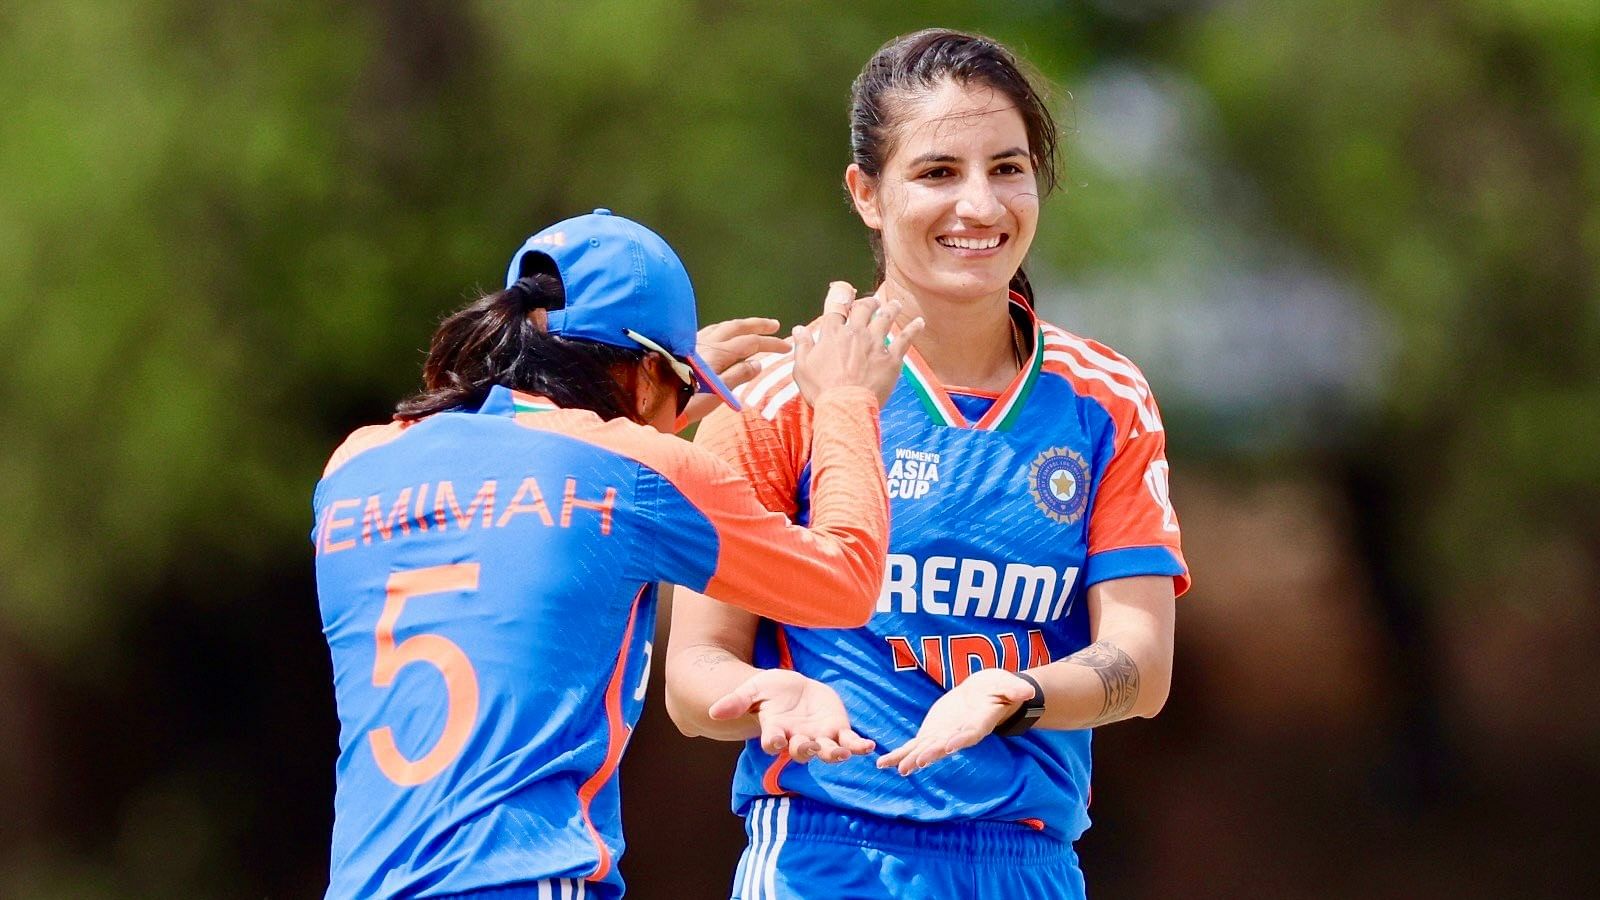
[360, 441]
[775, 387]
[1097, 371]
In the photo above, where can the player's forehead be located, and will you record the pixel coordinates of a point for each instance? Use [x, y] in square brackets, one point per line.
[956, 119]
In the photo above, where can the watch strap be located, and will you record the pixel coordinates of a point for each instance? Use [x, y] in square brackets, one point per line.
[1023, 717]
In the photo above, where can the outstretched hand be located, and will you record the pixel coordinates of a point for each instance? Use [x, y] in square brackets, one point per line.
[848, 345]
[962, 717]
[798, 715]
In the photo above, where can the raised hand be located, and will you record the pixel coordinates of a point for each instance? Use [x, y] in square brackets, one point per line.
[846, 345]
[962, 717]
[797, 714]
[727, 347]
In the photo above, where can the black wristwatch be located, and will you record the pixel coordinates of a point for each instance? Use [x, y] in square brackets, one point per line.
[1025, 715]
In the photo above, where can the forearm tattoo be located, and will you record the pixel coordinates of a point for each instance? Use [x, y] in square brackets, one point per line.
[711, 659]
[1119, 676]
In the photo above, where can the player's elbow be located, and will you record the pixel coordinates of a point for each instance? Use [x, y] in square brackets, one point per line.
[687, 713]
[682, 714]
[1155, 685]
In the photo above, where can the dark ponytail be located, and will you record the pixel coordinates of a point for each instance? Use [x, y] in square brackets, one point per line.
[1021, 286]
[500, 339]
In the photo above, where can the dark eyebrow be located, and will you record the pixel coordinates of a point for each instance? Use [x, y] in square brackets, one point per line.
[927, 158]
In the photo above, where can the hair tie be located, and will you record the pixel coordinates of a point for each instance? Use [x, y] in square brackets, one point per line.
[524, 291]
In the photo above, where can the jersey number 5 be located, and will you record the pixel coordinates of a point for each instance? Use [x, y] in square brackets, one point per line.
[460, 680]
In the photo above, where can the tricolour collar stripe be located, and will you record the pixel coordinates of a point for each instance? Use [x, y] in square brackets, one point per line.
[936, 400]
[1005, 410]
[530, 403]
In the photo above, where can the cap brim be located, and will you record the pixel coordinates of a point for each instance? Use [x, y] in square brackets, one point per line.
[710, 382]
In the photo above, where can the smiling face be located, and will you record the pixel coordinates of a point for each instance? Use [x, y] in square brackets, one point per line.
[957, 201]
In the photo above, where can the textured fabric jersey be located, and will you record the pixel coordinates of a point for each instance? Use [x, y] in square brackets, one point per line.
[999, 527]
[487, 581]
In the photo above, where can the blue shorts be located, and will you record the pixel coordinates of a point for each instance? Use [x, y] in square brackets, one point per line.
[548, 889]
[801, 849]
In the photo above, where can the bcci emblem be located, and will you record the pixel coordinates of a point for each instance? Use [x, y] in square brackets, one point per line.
[1059, 482]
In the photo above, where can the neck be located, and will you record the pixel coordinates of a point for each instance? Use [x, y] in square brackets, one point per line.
[966, 342]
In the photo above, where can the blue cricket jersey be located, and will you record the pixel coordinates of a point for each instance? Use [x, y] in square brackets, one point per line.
[1004, 511]
[487, 585]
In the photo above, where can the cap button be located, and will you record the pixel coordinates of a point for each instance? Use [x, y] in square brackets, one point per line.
[602, 211]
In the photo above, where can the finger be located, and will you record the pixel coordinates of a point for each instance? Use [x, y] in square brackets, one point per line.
[769, 344]
[908, 334]
[742, 347]
[836, 306]
[905, 755]
[927, 756]
[802, 747]
[801, 338]
[892, 759]
[734, 327]
[909, 763]
[829, 751]
[883, 320]
[734, 704]
[739, 373]
[861, 313]
[773, 740]
[855, 743]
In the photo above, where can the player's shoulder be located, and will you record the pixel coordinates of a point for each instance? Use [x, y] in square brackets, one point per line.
[1095, 370]
[360, 441]
[665, 454]
[773, 391]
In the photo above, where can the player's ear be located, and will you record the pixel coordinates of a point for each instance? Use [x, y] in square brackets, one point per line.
[648, 389]
[864, 196]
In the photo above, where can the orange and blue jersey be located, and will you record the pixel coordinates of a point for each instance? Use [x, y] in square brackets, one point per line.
[1005, 510]
[487, 585]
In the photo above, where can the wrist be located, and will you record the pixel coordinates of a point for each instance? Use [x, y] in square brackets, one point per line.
[850, 394]
[1027, 712]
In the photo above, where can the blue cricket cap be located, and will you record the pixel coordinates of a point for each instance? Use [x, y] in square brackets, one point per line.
[625, 287]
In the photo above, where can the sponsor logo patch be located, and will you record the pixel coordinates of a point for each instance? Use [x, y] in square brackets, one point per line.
[1059, 483]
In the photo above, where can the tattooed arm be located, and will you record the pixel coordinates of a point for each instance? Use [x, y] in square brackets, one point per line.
[1127, 670]
[1124, 673]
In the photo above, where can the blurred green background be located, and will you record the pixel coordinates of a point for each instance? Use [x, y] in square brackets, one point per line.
[1352, 244]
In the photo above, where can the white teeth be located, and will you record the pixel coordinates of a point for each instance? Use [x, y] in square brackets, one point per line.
[971, 243]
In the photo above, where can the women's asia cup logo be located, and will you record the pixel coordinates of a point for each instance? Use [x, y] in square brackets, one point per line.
[1059, 482]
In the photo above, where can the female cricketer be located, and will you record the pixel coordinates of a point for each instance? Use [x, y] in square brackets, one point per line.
[486, 563]
[1034, 553]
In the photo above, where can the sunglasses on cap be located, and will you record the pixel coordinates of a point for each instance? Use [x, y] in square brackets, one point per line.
[687, 388]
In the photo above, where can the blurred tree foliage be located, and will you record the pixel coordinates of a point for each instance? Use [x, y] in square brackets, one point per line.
[227, 229]
[1448, 156]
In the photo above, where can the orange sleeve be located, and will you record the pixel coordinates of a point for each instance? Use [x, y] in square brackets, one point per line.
[1133, 529]
[769, 453]
[824, 576]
